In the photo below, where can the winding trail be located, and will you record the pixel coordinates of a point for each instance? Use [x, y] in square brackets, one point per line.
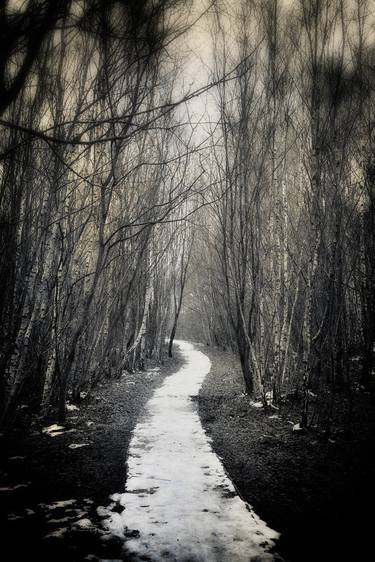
[179, 503]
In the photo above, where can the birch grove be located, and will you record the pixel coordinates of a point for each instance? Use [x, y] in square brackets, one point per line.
[90, 205]
[290, 243]
[116, 198]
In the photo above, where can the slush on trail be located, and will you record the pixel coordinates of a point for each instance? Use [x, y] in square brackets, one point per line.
[179, 503]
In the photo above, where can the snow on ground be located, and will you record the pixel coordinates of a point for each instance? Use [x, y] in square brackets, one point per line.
[179, 502]
[15, 487]
[58, 504]
[53, 430]
[71, 407]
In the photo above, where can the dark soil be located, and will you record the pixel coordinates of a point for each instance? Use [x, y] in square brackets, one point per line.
[51, 471]
[318, 494]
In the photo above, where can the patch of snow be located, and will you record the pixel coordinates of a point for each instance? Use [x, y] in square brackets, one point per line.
[13, 488]
[61, 520]
[103, 512]
[84, 524]
[274, 417]
[14, 517]
[89, 423]
[269, 398]
[153, 370]
[78, 445]
[80, 513]
[177, 505]
[16, 458]
[83, 395]
[116, 498]
[53, 428]
[58, 504]
[57, 534]
[297, 428]
[256, 404]
[72, 407]
[58, 432]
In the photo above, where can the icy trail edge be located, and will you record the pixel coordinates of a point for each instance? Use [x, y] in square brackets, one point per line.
[179, 503]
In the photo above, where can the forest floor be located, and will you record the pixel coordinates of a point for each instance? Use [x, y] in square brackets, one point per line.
[49, 480]
[318, 494]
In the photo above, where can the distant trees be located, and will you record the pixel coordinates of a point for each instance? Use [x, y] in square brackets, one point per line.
[181, 257]
[291, 240]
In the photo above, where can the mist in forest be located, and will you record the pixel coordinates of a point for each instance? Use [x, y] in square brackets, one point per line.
[199, 170]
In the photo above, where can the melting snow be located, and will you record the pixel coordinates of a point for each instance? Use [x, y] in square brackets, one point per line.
[61, 520]
[78, 445]
[72, 407]
[256, 404]
[16, 487]
[84, 524]
[58, 505]
[179, 502]
[14, 517]
[57, 534]
[53, 429]
[103, 511]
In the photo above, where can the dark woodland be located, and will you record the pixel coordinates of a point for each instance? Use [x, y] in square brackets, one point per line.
[177, 171]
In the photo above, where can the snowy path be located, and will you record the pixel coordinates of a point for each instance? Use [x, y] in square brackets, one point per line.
[179, 503]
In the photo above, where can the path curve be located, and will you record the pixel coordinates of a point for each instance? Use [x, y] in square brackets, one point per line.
[179, 503]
